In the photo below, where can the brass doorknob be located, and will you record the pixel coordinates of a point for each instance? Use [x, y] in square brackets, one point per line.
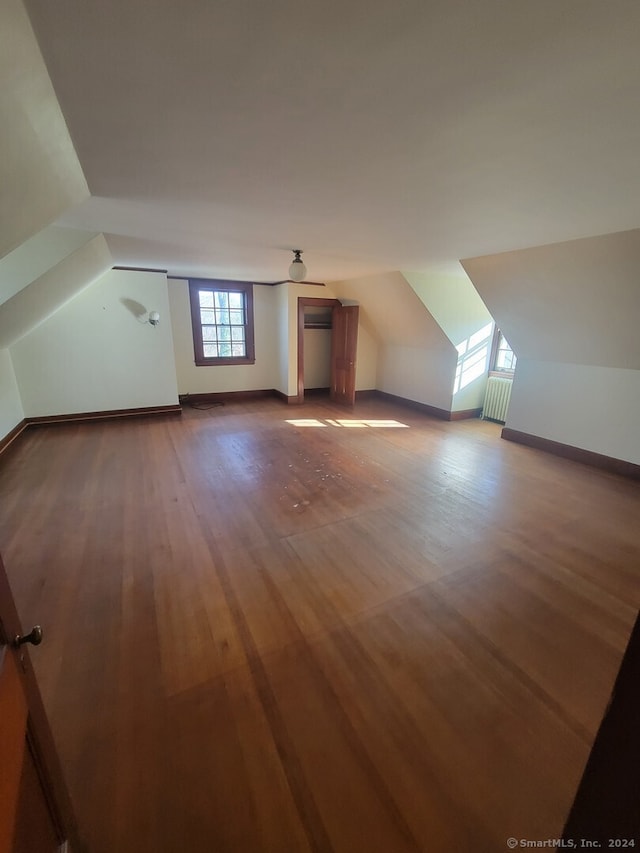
[34, 637]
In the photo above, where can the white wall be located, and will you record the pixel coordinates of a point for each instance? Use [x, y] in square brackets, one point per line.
[423, 375]
[11, 411]
[283, 344]
[570, 311]
[594, 408]
[366, 356]
[193, 379]
[317, 358]
[95, 355]
[574, 302]
[413, 357]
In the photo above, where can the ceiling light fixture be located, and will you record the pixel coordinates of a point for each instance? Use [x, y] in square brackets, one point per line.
[297, 270]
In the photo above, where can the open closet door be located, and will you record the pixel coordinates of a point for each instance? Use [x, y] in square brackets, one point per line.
[35, 811]
[344, 341]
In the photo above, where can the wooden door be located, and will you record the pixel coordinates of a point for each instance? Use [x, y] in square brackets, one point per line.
[35, 810]
[344, 341]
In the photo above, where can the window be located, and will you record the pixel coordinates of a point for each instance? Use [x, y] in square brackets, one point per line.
[503, 358]
[222, 320]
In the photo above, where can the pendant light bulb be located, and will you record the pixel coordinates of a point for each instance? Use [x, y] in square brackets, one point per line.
[297, 270]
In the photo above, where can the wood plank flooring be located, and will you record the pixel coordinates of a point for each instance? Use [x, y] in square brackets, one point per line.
[271, 628]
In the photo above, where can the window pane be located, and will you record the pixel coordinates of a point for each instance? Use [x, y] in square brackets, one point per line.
[222, 321]
[209, 333]
[505, 358]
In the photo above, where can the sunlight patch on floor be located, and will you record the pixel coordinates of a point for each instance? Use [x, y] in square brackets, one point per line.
[306, 422]
[358, 423]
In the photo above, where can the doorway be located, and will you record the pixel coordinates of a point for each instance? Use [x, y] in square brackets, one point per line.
[314, 307]
[344, 338]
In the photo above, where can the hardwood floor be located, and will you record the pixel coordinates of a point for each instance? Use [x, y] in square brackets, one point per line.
[265, 635]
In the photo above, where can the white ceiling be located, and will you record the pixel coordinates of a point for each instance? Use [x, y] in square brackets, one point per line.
[377, 135]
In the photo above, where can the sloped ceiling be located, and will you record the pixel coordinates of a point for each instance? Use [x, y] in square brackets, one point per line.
[45, 295]
[42, 265]
[393, 312]
[40, 175]
[576, 302]
[37, 255]
[375, 135]
[453, 302]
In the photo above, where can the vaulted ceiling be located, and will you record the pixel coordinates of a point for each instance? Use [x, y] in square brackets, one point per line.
[216, 136]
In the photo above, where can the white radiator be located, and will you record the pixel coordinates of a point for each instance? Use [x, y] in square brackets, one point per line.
[496, 400]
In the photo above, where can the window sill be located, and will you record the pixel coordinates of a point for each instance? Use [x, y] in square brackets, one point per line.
[223, 362]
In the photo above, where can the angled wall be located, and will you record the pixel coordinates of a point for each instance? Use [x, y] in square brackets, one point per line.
[94, 354]
[574, 302]
[415, 359]
[570, 311]
[456, 306]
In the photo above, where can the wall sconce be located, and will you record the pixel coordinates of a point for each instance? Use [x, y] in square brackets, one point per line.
[140, 312]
